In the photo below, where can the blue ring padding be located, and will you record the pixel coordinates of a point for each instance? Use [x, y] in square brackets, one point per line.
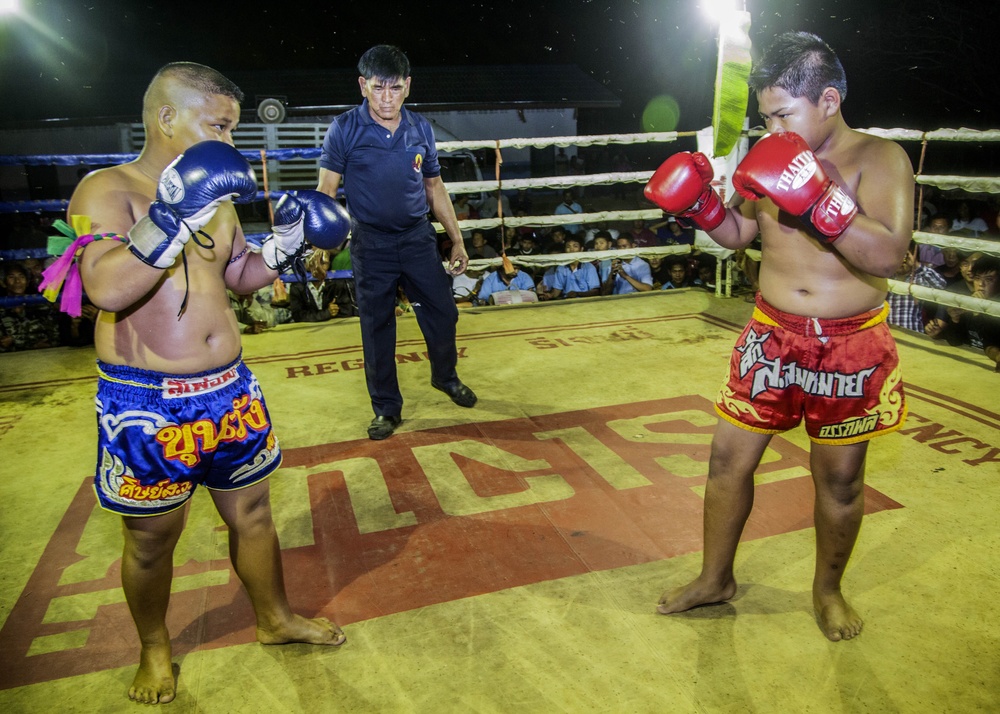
[67, 159]
[54, 205]
[22, 253]
[21, 300]
[304, 152]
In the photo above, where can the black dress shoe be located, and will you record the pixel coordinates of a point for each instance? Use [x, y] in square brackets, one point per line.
[459, 393]
[382, 427]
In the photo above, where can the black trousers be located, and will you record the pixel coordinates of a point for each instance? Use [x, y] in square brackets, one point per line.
[381, 263]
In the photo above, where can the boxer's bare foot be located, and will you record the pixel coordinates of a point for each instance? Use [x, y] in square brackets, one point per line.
[318, 631]
[697, 592]
[836, 618]
[154, 682]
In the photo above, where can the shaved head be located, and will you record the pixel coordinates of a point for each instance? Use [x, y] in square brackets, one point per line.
[179, 83]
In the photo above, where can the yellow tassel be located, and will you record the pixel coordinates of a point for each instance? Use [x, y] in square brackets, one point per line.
[81, 225]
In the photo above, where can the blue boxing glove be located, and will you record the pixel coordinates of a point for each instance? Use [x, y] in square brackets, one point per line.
[327, 222]
[286, 242]
[189, 193]
[309, 216]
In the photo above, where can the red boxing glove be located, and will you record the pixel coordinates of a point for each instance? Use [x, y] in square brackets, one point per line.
[682, 187]
[783, 168]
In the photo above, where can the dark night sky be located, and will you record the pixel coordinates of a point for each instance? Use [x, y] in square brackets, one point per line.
[923, 64]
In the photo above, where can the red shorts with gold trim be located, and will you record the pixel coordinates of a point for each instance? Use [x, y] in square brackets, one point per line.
[162, 435]
[841, 375]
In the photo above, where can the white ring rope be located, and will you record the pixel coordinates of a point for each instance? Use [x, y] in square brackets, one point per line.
[966, 245]
[558, 219]
[944, 297]
[944, 182]
[972, 184]
[539, 142]
[552, 182]
[975, 135]
[964, 183]
[972, 135]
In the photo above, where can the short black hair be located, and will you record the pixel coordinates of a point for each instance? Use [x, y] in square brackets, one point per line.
[986, 264]
[800, 63]
[206, 80]
[16, 268]
[384, 62]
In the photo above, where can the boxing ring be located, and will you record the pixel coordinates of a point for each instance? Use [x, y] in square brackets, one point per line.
[724, 269]
[509, 557]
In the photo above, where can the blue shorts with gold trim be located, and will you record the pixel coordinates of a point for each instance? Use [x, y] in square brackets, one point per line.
[161, 435]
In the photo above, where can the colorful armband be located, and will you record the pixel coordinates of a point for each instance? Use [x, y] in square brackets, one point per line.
[64, 274]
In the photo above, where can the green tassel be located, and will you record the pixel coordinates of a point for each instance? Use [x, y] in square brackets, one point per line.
[57, 245]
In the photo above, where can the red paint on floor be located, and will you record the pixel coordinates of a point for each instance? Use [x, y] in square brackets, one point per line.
[350, 576]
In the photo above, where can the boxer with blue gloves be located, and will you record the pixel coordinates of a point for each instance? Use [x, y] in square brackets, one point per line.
[189, 192]
[169, 355]
[304, 217]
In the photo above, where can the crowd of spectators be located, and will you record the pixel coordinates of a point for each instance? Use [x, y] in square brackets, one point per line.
[585, 277]
[971, 273]
[327, 293]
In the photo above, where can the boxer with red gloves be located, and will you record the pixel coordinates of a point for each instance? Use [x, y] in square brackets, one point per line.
[833, 208]
[169, 356]
[783, 168]
[682, 187]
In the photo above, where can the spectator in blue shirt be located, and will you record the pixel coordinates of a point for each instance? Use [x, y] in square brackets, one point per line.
[630, 275]
[602, 241]
[547, 288]
[576, 279]
[388, 159]
[500, 280]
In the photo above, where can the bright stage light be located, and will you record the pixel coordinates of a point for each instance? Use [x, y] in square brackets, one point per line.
[10, 7]
[721, 10]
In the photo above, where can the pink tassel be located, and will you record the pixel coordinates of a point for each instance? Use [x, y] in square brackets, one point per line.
[65, 274]
[54, 275]
[72, 293]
